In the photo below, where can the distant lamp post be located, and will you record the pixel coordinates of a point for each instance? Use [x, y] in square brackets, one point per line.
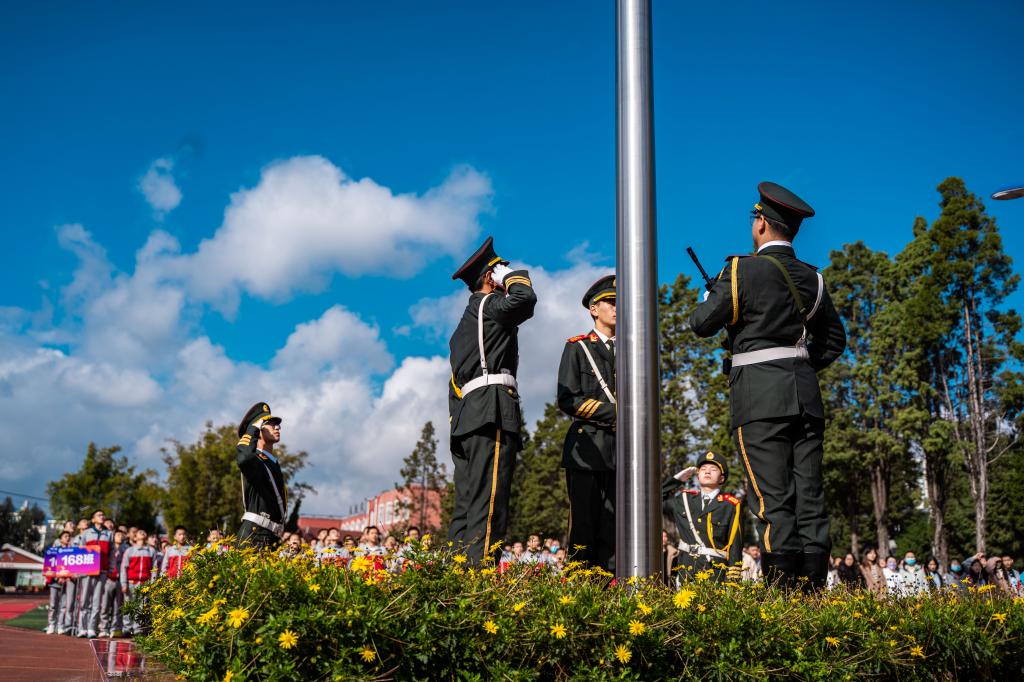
[1011, 192]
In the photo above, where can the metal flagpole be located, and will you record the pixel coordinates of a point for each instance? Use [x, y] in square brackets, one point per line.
[638, 505]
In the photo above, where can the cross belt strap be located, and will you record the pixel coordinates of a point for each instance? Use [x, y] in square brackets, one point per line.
[597, 372]
[768, 354]
[693, 529]
[700, 550]
[264, 522]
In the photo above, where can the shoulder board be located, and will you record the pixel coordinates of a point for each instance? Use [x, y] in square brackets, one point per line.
[690, 492]
[729, 498]
[574, 339]
[745, 255]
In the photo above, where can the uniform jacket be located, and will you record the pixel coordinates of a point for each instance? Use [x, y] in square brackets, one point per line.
[763, 315]
[717, 525]
[101, 540]
[590, 441]
[258, 471]
[494, 405]
[137, 565]
[174, 560]
[116, 553]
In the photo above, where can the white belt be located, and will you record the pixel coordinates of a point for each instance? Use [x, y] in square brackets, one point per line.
[500, 379]
[697, 549]
[768, 354]
[263, 522]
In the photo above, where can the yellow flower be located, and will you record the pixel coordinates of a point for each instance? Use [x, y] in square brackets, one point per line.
[832, 641]
[459, 558]
[705, 574]
[237, 617]
[857, 614]
[701, 608]
[917, 651]
[208, 617]
[1001, 617]
[623, 653]
[765, 615]
[491, 627]
[519, 606]
[486, 571]
[558, 630]
[565, 599]
[176, 613]
[287, 639]
[683, 598]
[644, 608]
[228, 676]
[636, 627]
[259, 640]
[361, 563]
[314, 588]
[368, 654]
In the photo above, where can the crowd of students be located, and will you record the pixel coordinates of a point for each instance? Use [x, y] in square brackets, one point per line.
[90, 606]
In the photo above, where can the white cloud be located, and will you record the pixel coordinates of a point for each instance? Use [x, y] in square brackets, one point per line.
[159, 188]
[307, 220]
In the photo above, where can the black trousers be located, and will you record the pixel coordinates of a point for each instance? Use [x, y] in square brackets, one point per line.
[256, 536]
[782, 458]
[592, 517]
[484, 463]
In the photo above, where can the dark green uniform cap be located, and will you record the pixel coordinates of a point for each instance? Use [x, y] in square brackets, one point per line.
[778, 203]
[712, 458]
[600, 290]
[480, 262]
[257, 411]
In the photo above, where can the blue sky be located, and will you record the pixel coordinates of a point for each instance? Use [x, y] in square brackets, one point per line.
[509, 112]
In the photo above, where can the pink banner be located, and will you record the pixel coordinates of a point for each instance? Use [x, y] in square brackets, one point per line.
[69, 562]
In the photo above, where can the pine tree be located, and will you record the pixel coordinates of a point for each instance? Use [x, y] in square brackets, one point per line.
[424, 485]
[540, 503]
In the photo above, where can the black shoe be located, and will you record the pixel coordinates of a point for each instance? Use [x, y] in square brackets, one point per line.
[814, 571]
[781, 570]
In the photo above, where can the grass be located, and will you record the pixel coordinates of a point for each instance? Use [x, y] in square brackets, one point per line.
[33, 619]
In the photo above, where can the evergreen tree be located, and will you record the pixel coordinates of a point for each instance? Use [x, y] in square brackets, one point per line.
[694, 391]
[108, 482]
[540, 503]
[422, 474]
[19, 526]
[962, 278]
[203, 488]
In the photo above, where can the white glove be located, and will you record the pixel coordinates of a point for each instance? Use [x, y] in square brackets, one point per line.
[705, 296]
[500, 272]
[685, 474]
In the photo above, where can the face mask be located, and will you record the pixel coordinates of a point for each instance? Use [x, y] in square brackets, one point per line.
[911, 562]
[891, 565]
[955, 569]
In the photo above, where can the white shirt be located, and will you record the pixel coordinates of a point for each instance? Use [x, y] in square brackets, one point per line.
[775, 242]
[604, 339]
[708, 497]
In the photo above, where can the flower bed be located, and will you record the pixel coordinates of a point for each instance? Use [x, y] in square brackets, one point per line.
[246, 615]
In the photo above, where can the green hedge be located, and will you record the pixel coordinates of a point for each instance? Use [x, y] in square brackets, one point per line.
[245, 615]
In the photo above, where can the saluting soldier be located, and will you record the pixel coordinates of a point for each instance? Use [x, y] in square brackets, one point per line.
[483, 397]
[586, 392]
[263, 491]
[782, 329]
[708, 520]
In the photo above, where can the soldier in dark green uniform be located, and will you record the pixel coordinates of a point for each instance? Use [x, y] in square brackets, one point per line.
[586, 392]
[708, 520]
[263, 492]
[782, 329]
[483, 397]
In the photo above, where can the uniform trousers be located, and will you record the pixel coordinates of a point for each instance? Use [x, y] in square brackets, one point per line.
[592, 516]
[91, 590]
[110, 609]
[782, 458]
[68, 607]
[485, 461]
[56, 590]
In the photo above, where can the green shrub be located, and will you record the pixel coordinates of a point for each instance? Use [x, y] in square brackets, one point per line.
[248, 615]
